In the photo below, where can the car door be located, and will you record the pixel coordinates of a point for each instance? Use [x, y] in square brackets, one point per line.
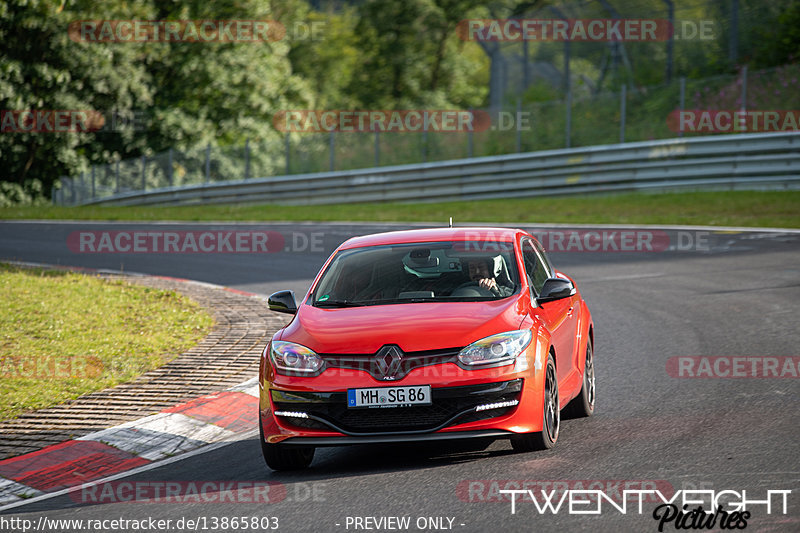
[559, 316]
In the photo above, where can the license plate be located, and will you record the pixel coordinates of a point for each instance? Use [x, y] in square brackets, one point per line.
[389, 396]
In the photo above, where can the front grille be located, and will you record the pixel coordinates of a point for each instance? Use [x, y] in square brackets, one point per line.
[449, 406]
[410, 360]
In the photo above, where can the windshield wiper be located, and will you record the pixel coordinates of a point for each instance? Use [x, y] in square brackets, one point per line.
[408, 300]
[338, 303]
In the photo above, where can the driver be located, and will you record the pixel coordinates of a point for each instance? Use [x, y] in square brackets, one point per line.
[481, 271]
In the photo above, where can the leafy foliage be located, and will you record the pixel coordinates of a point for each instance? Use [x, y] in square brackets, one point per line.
[384, 54]
[28, 194]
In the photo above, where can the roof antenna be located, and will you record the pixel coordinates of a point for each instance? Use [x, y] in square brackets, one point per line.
[451, 222]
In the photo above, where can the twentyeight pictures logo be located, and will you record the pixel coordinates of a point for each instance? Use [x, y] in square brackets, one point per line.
[596, 501]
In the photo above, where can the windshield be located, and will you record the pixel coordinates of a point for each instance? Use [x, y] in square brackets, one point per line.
[419, 272]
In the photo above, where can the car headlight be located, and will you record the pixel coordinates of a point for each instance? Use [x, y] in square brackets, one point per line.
[501, 348]
[292, 357]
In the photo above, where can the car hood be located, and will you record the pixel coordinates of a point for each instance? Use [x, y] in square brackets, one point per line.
[411, 326]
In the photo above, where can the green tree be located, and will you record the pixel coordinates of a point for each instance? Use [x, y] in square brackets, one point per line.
[778, 41]
[189, 93]
[329, 60]
[411, 55]
[42, 69]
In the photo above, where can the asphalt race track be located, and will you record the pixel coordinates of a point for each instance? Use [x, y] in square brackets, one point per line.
[683, 293]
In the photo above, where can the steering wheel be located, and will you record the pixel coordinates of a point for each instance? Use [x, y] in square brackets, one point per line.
[482, 291]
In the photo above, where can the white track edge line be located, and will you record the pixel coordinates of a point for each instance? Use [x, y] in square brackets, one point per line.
[144, 468]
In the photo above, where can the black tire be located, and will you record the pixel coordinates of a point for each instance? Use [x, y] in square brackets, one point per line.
[583, 404]
[285, 457]
[551, 418]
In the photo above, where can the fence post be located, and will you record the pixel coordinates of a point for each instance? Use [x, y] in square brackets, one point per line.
[744, 88]
[377, 149]
[682, 104]
[733, 33]
[425, 146]
[170, 170]
[569, 113]
[247, 159]
[116, 172]
[144, 173]
[208, 162]
[286, 142]
[93, 182]
[622, 104]
[471, 140]
[516, 123]
[670, 41]
[331, 148]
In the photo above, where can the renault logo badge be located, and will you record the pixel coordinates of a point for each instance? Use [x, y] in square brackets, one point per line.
[388, 360]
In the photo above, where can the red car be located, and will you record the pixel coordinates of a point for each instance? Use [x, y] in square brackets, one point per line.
[424, 335]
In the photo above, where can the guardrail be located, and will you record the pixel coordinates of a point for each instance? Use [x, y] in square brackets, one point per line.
[739, 161]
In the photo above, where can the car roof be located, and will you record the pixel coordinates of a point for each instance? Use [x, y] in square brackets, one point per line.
[433, 235]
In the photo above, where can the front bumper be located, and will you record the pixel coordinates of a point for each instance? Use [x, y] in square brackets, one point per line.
[322, 399]
[450, 406]
[386, 439]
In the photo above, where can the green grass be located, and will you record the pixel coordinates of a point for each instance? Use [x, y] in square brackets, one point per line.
[730, 208]
[64, 334]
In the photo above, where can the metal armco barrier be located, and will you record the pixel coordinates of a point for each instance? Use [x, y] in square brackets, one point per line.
[721, 162]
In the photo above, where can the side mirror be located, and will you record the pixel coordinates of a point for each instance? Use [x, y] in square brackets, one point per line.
[556, 289]
[283, 302]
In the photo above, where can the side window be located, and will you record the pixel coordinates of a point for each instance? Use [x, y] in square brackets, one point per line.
[536, 271]
[543, 256]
